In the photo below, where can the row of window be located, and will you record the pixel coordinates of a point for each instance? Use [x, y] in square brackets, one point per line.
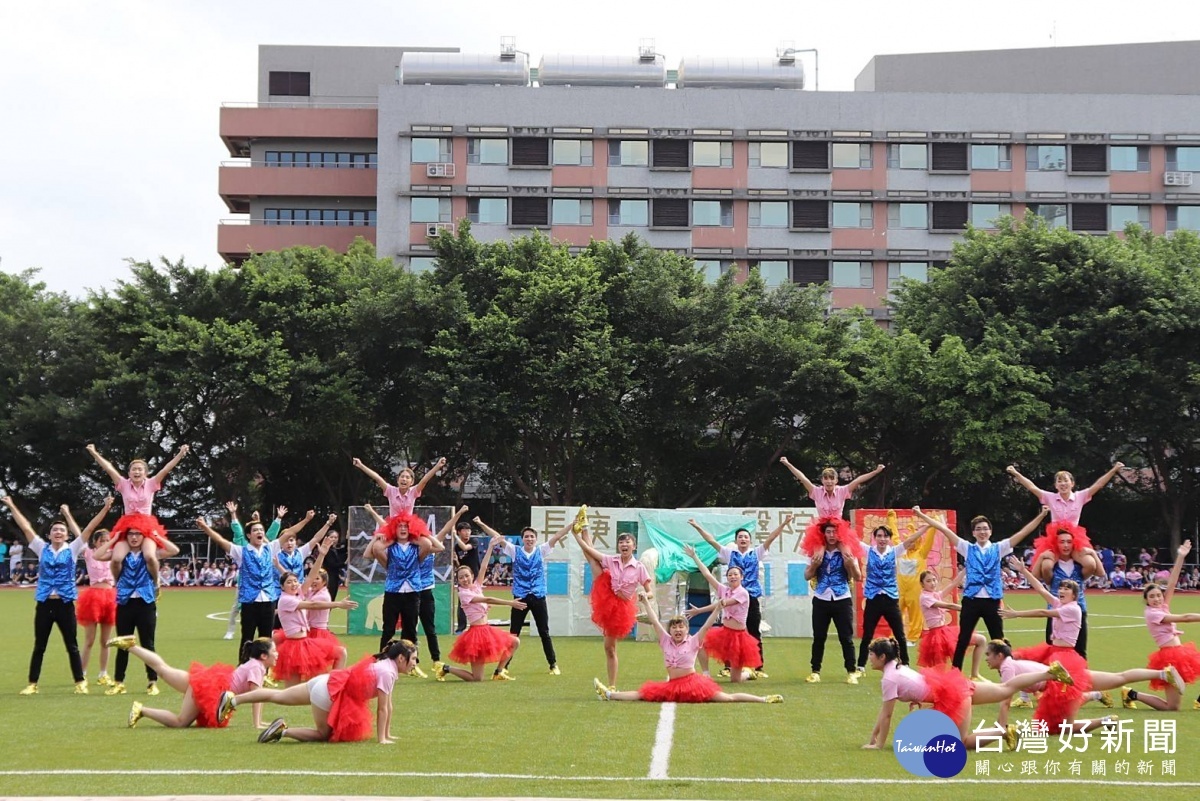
[796, 214]
[339, 217]
[304, 158]
[814, 155]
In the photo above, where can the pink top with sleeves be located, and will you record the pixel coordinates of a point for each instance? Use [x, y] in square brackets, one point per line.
[138, 500]
[902, 683]
[934, 617]
[1163, 633]
[247, 675]
[1011, 668]
[626, 578]
[319, 618]
[386, 673]
[735, 612]
[1066, 626]
[1067, 511]
[830, 504]
[401, 501]
[292, 618]
[679, 657]
[98, 572]
[473, 608]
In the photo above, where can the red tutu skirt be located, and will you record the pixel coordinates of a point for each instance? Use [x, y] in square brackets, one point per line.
[301, 659]
[936, 647]
[324, 634]
[97, 605]
[1184, 658]
[735, 646]
[1049, 540]
[950, 692]
[693, 688]
[613, 615]
[1059, 702]
[207, 684]
[482, 643]
[351, 689]
[416, 526]
[148, 525]
[814, 537]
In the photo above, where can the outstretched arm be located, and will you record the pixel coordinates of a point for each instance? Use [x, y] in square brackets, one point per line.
[203, 525]
[709, 538]
[910, 544]
[104, 464]
[560, 534]
[774, 535]
[291, 531]
[1024, 482]
[939, 525]
[708, 576]
[1029, 527]
[93, 524]
[161, 475]
[1016, 564]
[437, 467]
[795, 471]
[378, 479]
[1102, 482]
[864, 478]
[652, 613]
[20, 519]
[1183, 551]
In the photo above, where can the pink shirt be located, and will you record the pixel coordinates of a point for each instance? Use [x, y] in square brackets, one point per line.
[934, 617]
[902, 683]
[1067, 511]
[319, 618]
[626, 578]
[247, 675]
[1162, 632]
[736, 612]
[401, 501]
[830, 505]
[292, 618]
[473, 608]
[1011, 668]
[386, 673]
[679, 657]
[1066, 626]
[98, 572]
[138, 500]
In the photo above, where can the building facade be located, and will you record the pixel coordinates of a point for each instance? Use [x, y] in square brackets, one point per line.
[855, 190]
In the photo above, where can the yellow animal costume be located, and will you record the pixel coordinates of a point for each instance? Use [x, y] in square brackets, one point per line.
[908, 576]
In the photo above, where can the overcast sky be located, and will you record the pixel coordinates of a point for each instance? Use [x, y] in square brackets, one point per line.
[108, 135]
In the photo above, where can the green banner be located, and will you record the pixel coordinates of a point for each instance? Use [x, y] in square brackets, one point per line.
[670, 531]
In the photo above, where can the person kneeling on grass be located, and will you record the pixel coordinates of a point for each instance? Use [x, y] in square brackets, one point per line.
[201, 686]
[684, 684]
[338, 699]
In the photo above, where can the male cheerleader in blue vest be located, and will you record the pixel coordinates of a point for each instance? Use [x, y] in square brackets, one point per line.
[257, 583]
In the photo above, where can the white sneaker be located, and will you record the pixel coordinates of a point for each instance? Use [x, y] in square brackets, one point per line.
[228, 635]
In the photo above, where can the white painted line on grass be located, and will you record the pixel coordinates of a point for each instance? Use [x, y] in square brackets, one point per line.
[660, 756]
[534, 777]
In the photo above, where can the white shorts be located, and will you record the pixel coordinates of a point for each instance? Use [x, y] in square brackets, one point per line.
[318, 692]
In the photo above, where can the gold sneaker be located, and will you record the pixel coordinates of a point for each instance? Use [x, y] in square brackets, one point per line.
[601, 690]
[813, 678]
[1011, 737]
[274, 732]
[852, 678]
[135, 714]
[760, 674]
[104, 680]
[774, 699]
[1021, 703]
[152, 688]
[81, 687]
[554, 671]
[1126, 702]
[30, 690]
[417, 673]
[440, 671]
[502, 675]
[118, 688]
[1106, 699]
[124, 642]
[1060, 674]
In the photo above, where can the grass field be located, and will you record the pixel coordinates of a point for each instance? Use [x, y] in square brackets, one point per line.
[541, 735]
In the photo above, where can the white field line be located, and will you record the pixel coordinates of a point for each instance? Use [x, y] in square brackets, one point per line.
[664, 735]
[587, 779]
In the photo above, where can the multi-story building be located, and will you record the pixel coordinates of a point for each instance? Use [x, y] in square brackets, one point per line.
[730, 163]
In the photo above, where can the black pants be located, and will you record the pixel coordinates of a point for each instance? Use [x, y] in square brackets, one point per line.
[257, 619]
[841, 614]
[1081, 643]
[403, 607]
[882, 606]
[427, 613]
[462, 620]
[136, 615]
[541, 619]
[974, 610]
[48, 614]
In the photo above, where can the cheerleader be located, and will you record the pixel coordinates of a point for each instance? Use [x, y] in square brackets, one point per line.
[291, 556]
[832, 567]
[881, 591]
[947, 691]
[256, 586]
[97, 604]
[55, 596]
[729, 642]
[1056, 707]
[301, 657]
[338, 699]
[747, 559]
[1181, 659]
[684, 685]
[983, 588]
[939, 637]
[1065, 506]
[201, 686]
[480, 643]
[830, 498]
[137, 494]
[316, 588]
[615, 580]
[402, 496]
